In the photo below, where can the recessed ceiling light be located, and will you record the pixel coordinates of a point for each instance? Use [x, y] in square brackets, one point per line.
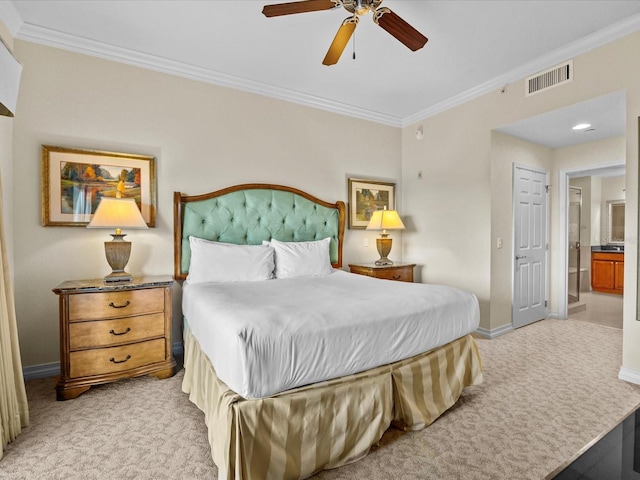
[581, 126]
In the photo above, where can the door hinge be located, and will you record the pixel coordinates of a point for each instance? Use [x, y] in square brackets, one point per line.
[546, 188]
[545, 303]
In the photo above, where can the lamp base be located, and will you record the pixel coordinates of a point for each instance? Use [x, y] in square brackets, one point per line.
[117, 252]
[118, 277]
[384, 247]
[382, 262]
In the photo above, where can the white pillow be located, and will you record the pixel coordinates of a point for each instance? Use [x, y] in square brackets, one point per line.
[302, 259]
[226, 262]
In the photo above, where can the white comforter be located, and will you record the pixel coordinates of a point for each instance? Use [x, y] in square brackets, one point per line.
[266, 337]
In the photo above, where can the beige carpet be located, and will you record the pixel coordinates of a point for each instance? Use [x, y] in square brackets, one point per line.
[550, 389]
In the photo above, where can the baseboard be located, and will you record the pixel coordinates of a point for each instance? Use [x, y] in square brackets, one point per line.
[628, 375]
[496, 332]
[46, 370]
[43, 370]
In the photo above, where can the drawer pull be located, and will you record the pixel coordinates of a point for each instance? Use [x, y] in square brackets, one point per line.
[397, 277]
[112, 332]
[113, 360]
[127, 303]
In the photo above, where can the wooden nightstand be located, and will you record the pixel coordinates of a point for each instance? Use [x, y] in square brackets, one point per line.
[402, 272]
[113, 331]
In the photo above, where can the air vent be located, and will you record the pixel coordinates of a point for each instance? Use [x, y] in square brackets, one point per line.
[550, 78]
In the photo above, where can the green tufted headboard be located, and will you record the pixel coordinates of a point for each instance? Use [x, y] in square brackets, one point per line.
[251, 213]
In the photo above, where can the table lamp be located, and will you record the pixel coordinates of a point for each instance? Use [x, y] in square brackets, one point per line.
[384, 220]
[117, 213]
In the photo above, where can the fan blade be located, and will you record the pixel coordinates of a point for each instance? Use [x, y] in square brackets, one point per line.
[340, 41]
[400, 29]
[299, 7]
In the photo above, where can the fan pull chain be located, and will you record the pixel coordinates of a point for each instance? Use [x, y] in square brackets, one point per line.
[354, 45]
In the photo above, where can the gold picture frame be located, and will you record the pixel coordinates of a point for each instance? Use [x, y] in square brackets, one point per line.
[366, 196]
[74, 180]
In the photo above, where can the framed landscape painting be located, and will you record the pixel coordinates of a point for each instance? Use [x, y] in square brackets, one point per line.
[365, 197]
[74, 181]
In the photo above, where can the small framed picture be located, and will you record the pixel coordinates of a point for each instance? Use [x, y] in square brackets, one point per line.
[74, 181]
[365, 197]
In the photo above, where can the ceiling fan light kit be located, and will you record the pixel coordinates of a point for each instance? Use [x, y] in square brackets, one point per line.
[382, 16]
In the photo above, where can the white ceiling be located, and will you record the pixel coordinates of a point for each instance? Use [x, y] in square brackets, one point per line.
[606, 115]
[474, 46]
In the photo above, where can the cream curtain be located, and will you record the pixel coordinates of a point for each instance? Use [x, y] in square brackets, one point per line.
[14, 411]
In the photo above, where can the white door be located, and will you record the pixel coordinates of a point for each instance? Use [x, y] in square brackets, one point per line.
[530, 245]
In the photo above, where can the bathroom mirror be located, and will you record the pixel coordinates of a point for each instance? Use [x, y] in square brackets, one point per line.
[615, 222]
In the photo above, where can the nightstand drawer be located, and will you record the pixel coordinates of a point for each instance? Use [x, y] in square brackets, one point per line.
[104, 333]
[94, 306]
[399, 274]
[116, 359]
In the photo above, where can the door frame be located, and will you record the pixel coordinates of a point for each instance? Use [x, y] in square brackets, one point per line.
[547, 174]
[563, 226]
[569, 187]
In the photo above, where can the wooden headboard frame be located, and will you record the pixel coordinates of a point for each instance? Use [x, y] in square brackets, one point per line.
[181, 202]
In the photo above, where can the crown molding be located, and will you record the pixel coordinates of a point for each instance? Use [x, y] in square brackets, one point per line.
[52, 38]
[570, 50]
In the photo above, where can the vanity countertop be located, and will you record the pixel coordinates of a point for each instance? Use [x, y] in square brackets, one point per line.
[608, 248]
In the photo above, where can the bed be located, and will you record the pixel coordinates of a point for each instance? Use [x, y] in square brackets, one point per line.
[310, 368]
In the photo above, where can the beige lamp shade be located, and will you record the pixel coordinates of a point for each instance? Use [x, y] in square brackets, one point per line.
[117, 213]
[385, 220]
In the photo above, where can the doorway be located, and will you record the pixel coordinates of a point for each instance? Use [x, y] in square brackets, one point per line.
[593, 228]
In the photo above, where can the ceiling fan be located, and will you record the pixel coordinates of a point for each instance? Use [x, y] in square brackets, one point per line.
[382, 16]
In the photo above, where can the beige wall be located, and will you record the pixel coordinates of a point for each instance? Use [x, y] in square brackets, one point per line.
[463, 202]
[204, 138]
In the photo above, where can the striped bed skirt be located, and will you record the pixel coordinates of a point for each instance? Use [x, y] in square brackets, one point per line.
[297, 433]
